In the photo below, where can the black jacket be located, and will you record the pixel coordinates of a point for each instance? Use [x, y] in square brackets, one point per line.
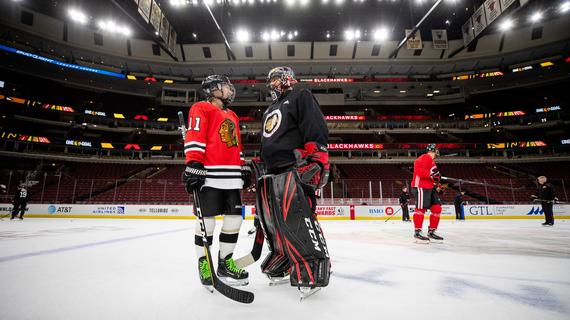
[21, 195]
[288, 124]
[404, 198]
[545, 192]
[458, 200]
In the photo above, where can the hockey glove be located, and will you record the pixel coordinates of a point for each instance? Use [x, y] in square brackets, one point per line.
[246, 176]
[194, 176]
[313, 164]
[434, 174]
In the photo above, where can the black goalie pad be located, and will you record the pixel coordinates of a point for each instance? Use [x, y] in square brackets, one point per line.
[294, 235]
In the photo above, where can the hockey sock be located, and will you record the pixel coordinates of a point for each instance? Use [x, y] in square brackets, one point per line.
[434, 216]
[199, 244]
[229, 234]
[419, 218]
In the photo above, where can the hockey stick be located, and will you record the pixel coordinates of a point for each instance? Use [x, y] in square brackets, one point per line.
[228, 291]
[255, 253]
[477, 183]
[548, 201]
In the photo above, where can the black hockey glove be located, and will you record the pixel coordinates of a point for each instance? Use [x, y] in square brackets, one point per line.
[194, 176]
[246, 176]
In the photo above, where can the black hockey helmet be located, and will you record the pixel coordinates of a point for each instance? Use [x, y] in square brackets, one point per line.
[216, 82]
[432, 148]
[286, 77]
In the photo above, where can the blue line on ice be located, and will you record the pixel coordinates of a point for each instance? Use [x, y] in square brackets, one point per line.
[86, 245]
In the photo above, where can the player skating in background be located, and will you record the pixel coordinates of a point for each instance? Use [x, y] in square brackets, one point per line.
[425, 189]
[20, 203]
[294, 152]
[215, 167]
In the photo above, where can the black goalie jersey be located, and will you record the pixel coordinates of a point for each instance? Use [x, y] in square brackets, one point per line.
[289, 123]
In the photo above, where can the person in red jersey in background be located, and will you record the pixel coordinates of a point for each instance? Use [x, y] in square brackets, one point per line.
[425, 183]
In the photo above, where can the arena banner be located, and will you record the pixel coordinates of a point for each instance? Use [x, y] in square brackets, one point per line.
[479, 21]
[384, 212]
[415, 41]
[467, 30]
[517, 211]
[492, 10]
[439, 39]
[334, 212]
[118, 211]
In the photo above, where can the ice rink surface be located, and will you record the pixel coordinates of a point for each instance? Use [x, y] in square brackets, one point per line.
[147, 269]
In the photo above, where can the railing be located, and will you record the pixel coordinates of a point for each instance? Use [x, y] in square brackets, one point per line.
[56, 188]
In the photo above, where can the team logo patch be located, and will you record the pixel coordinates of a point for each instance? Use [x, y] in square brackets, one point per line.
[272, 123]
[228, 133]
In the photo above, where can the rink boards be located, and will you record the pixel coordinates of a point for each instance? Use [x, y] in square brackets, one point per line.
[348, 212]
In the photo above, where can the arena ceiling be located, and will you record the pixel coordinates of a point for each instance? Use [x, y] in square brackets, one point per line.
[295, 20]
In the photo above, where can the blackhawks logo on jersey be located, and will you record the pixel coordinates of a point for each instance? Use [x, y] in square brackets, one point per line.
[272, 123]
[228, 133]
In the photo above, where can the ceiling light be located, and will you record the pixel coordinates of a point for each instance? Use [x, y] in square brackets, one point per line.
[242, 35]
[265, 36]
[381, 34]
[402, 91]
[536, 17]
[565, 6]
[77, 16]
[435, 91]
[506, 25]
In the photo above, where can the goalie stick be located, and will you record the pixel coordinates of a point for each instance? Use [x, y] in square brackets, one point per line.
[228, 291]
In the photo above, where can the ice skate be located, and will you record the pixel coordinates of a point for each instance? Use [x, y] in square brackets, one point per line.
[230, 274]
[279, 279]
[305, 292]
[420, 238]
[433, 237]
[205, 274]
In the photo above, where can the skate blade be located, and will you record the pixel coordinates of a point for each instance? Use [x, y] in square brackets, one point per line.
[304, 293]
[234, 282]
[421, 241]
[435, 241]
[275, 281]
[209, 288]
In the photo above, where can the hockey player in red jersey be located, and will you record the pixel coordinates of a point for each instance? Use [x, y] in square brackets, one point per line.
[215, 167]
[424, 184]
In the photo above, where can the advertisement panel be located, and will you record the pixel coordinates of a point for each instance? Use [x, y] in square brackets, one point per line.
[480, 211]
[513, 210]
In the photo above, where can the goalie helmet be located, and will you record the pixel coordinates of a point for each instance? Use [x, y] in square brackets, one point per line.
[217, 82]
[286, 77]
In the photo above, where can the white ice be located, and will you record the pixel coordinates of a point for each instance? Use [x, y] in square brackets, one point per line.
[147, 269]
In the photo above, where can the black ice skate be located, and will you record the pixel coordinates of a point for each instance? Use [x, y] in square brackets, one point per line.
[434, 237]
[548, 224]
[205, 274]
[420, 238]
[229, 273]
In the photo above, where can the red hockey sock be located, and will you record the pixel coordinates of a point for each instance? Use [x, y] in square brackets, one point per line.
[419, 218]
[434, 216]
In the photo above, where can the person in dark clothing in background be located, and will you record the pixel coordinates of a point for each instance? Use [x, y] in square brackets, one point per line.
[20, 203]
[545, 195]
[404, 200]
[458, 203]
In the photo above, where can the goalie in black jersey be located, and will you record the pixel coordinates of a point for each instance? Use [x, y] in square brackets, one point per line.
[295, 159]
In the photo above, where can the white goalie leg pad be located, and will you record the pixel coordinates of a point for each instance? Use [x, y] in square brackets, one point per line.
[229, 234]
[210, 224]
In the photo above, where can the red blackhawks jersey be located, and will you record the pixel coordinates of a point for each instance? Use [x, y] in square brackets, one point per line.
[213, 139]
[424, 166]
